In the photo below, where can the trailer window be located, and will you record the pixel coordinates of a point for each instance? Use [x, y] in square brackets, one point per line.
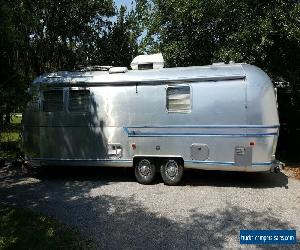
[79, 100]
[53, 100]
[179, 99]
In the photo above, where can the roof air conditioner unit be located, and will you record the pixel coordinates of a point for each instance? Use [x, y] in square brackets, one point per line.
[142, 62]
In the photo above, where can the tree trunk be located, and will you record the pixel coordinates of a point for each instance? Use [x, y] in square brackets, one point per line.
[1, 121]
[7, 117]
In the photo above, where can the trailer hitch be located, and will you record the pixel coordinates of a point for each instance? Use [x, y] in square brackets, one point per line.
[277, 166]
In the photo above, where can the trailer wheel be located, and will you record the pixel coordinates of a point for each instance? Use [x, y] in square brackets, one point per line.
[145, 172]
[171, 172]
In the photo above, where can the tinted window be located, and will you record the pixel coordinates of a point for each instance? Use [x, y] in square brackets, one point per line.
[53, 101]
[79, 100]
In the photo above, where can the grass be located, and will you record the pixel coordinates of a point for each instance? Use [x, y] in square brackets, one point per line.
[10, 138]
[16, 119]
[21, 229]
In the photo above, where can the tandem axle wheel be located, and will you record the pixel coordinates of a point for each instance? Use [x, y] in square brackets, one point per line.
[145, 171]
[171, 170]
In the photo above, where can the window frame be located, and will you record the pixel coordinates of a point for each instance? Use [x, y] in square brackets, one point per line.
[68, 100]
[191, 99]
[42, 100]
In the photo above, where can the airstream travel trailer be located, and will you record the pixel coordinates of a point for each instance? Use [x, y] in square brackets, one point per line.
[216, 117]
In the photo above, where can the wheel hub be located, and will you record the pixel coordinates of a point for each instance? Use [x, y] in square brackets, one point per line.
[145, 170]
[172, 169]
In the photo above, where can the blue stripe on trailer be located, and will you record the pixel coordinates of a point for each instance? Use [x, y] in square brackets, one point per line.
[208, 126]
[226, 163]
[159, 134]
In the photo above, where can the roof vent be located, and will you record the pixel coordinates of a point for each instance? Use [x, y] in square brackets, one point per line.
[142, 62]
[218, 64]
[115, 70]
[94, 68]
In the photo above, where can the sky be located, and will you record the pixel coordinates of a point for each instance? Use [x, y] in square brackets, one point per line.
[118, 3]
[127, 3]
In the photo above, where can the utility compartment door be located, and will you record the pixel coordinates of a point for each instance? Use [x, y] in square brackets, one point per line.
[199, 152]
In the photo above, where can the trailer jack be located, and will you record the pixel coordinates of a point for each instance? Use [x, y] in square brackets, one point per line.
[277, 166]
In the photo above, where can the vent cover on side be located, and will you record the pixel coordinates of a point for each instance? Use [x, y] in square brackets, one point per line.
[199, 152]
[114, 151]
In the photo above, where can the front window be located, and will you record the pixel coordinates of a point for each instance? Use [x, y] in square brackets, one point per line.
[79, 100]
[53, 101]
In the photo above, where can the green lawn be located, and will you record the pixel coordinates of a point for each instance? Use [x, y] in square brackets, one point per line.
[21, 229]
[10, 138]
[16, 119]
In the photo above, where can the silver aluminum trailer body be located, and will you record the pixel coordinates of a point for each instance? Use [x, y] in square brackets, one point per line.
[216, 117]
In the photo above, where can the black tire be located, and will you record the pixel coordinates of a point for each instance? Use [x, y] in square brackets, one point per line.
[145, 172]
[171, 172]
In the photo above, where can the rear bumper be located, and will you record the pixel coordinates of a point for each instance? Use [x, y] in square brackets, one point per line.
[276, 166]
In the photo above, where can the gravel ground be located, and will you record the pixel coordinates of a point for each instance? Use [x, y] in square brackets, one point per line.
[206, 211]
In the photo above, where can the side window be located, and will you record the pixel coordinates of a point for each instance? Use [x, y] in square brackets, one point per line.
[79, 100]
[53, 100]
[178, 98]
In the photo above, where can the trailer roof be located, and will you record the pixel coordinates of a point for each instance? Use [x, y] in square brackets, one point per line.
[214, 72]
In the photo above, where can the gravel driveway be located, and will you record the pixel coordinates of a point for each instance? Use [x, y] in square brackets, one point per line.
[208, 210]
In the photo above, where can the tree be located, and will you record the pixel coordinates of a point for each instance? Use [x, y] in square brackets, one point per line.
[42, 35]
[65, 32]
[121, 42]
[12, 62]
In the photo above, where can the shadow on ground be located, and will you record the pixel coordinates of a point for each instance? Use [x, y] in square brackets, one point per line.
[191, 177]
[122, 222]
[235, 179]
